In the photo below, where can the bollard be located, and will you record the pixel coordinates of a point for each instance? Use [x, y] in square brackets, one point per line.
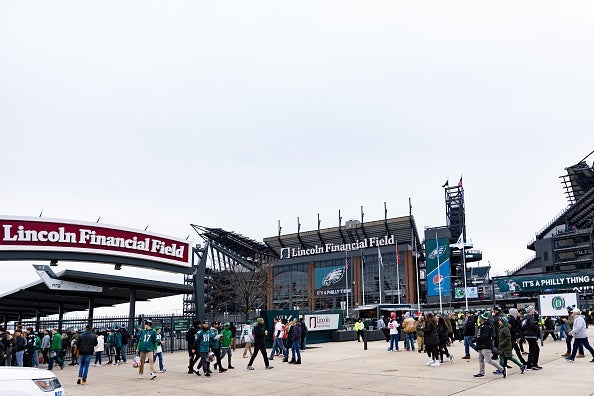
[364, 340]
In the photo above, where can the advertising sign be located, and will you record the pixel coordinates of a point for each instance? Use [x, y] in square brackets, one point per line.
[556, 304]
[471, 292]
[180, 324]
[330, 281]
[319, 322]
[41, 234]
[516, 284]
[438, 281]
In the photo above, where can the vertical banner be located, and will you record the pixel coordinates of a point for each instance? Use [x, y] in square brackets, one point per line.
[438, 280]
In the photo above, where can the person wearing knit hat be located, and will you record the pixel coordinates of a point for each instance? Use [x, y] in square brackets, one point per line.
[484, 345]
[580, 335]
[506, 344]
[514, 327]
[531, 332]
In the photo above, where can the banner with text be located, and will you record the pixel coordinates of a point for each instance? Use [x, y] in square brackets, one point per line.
[438, 281]
[41, 234]
[319, 322]
[560, 280]
[556, 304]
[330, 281]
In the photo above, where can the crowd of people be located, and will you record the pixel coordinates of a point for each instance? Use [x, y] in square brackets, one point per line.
[494, 336]
[208, 343]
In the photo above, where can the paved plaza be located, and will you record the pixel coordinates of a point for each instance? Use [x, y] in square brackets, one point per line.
[345, 368]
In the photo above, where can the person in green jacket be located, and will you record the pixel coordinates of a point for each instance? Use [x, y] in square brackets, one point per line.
[202, 346]
[505, 345]
[226, 340]
[147, 345]
[56, 350]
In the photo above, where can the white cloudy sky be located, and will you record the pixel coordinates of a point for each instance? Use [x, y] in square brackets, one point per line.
[238, 114]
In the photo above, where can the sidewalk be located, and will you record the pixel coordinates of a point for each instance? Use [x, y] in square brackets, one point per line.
[345, 368]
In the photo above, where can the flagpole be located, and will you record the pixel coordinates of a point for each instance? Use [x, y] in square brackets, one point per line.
[464, 268]
[414, 243]
[397, 272]
[346, 270]
[379, 273]
[438, 273]
[362, 277]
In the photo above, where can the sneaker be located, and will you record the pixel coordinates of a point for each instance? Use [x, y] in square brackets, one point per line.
[570, 360]
[566, 354]
[436, 364]
[153, 375]
[207, 375]
[505, 372]
[451, 358]
[139, 376]
[99, 365]
[249, 367]
[78, 381]
[479, 375]
[162, 371]
[536, 368]
[497, 372]
[592, 361]
[581, 356]
[197, 373]
[230, 367]
[429, 362]
[389, 350]
[522, 369]
[84, 382]
[269, 367]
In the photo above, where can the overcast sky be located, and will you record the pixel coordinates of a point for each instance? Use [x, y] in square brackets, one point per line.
[238, 114]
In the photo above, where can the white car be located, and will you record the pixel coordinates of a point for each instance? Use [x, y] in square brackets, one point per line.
[27, 381]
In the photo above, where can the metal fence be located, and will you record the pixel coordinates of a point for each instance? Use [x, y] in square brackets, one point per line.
[173, 328]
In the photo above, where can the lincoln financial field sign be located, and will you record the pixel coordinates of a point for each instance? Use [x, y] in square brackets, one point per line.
[373, 242]
[39, 234]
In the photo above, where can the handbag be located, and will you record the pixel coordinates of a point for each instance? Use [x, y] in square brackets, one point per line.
[136, 361]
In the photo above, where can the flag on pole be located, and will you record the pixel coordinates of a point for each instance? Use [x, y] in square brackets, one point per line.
[346, 264]
[460, 242]
[379, 257]
[397, 256]
[460, 182]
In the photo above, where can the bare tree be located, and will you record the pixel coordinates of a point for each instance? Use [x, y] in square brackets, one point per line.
[243, 288]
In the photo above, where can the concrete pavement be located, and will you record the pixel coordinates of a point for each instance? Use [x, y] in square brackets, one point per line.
[345, 368]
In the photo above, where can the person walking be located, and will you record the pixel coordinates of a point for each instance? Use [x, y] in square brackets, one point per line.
[580, 335]
[431, 340]
[201, 348]
[569, 338]
[190, 336]
[531, 333]
[147, 344]
[227, 344]
[443, 335]
[20, 345]
[246, 336]
[469, 332]
[85, 343]
[259, 345]
[45, 347]
[56, 350]
[125, 339]
[484, 345]
[117, 344]
[303, 334]
[99, 349]
[277, 343]
[514, 328]
[159, 352]
[505, 345]
[359, 327]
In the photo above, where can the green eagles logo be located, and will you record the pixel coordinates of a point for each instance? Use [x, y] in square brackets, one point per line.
[558, 303]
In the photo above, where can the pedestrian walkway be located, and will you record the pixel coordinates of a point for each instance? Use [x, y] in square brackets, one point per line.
[345, 368]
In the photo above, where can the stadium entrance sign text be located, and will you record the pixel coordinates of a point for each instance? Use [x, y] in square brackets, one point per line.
[373, 242]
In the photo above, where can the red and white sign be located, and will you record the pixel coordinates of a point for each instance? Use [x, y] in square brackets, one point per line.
[321, 322]
[40, 234]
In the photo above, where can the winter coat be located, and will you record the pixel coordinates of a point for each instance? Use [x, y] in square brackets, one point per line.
[505, 341]
[483, 339]
[86, 343]
[297, 331]
[442, 333]
[100, 347]
[420, 332]
[469, 327]
[431, 336]
[530, 327]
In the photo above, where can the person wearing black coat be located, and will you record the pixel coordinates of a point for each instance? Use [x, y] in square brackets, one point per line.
[514, 327]
[86, 348]
[531, 333]
[469, 332]
[259, 345]
[443, 334]
[431, 340]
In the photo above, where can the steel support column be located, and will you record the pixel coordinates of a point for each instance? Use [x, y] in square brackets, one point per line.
[91, 309]
[132, 311]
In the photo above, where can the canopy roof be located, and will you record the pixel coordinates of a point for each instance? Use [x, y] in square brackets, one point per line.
[37, 297]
